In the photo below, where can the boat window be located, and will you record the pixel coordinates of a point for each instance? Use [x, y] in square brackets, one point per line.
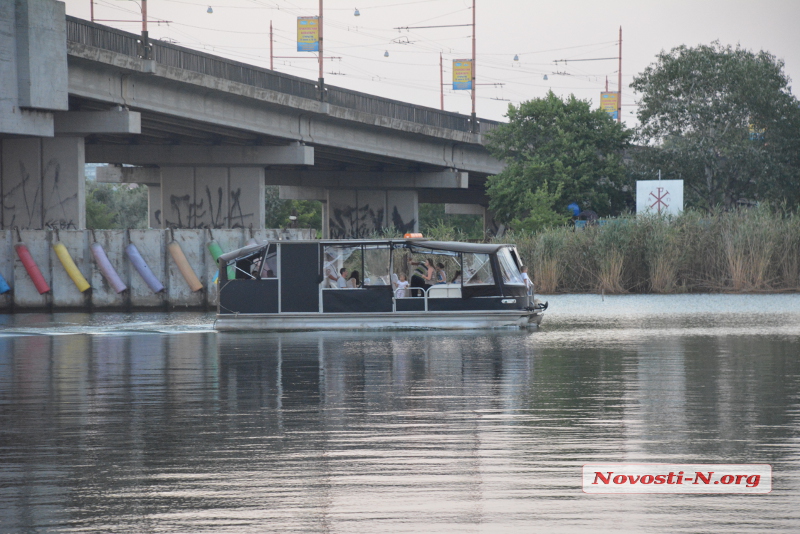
[508, 268]
[336, 257]
[269, 263]
[376, 265]
[477, 270]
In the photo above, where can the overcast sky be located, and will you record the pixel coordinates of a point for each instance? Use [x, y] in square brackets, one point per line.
[539, 32]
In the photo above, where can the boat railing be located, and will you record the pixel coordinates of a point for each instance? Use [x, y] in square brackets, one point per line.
[439, 290]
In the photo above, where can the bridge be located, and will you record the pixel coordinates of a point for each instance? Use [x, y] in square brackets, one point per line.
[206, 134]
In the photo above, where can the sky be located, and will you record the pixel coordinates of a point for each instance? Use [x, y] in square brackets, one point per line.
[541, 34]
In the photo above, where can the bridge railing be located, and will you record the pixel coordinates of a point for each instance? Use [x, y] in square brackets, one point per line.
[96, 35]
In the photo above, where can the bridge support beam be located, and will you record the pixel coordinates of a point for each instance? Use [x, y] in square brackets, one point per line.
[201, 156]
[358, 213]
[42, 183]
[209, 197]
[115, 121]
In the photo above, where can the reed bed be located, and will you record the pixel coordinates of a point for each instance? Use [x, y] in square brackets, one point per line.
[755, 250]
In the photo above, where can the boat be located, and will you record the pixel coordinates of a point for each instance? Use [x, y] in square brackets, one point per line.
[301, 285]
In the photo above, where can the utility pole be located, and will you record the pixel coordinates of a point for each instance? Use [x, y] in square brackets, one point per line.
[441, 83]
[474, 67]
[619, 79]
[321, 74]
[270, 47]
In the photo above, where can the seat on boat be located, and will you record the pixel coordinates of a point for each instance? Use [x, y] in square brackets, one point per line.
[439, 291]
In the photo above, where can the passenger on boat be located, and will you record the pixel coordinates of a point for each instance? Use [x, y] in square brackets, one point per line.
[524, 271]
[341, 282]
[457, 278]
[401, 287]
[355, 280]
[424, 275]
[255, 267]
[441, 275]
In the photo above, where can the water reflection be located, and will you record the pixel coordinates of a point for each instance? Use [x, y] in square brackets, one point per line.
[395, 432]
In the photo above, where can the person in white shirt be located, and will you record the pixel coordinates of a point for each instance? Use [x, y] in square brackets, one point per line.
[341, 282]
[526, 279]
[401, 287]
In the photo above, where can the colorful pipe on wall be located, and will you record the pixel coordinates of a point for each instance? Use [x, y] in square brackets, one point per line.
[106, 269]
[4, 287]
[180, 260]
[69, 266]
[31, 267]
[144, 271]
[216, 252]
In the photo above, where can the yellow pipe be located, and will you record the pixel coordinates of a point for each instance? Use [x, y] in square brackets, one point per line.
[70, 267]
[178, 256]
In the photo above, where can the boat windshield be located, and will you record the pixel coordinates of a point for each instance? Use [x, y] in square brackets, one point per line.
[376, 265]
[477, 270]
[508, 268]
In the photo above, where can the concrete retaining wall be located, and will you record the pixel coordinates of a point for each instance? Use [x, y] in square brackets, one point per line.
[152, 245]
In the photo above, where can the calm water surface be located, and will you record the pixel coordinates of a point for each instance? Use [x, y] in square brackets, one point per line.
[155, 423]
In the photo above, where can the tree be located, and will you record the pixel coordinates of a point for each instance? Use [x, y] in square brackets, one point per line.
[111, 206]
[309, 212]
[724, 120]
[433, 219]
[557, 152]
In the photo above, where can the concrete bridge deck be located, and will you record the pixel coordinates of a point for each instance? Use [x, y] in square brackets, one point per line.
[203, 131]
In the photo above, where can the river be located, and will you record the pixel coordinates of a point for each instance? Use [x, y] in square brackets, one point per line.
[152, 422]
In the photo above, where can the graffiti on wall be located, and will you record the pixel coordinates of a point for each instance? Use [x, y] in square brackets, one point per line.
[57, 213]
[208, 212]
[22, 215]
[22, 201]
[350, 222]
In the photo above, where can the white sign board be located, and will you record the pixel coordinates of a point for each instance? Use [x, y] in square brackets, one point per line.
[664, 197]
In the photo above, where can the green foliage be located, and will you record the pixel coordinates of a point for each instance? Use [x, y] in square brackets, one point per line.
[557, 152]
[743, 250]
[309, 212]
[110, 206]
[723, 120]
[540, 212]
[433, 220]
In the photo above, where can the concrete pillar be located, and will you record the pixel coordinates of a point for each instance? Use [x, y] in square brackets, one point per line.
[403, 210]
[246, 198]
[361, 213]
[211, 197]
[22, 184]
[43, 183]
[371, 211]
[154, 206]
[64, 182]
[177, 197]
[465, 209]
[343, 214]
[490, 226]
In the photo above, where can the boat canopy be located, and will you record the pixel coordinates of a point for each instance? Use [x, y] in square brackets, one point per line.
[447, 246]
[455, 246]
[240, 253]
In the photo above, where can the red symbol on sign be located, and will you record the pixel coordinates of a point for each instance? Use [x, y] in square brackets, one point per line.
[660, 195]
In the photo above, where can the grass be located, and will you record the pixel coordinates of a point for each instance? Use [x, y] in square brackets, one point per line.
[755, 250]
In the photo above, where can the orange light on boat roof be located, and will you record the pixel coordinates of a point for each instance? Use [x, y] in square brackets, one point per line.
[412, 236]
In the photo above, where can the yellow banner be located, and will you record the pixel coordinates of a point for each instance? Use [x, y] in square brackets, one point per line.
[308, 34]
[609, 103]
[462, 75]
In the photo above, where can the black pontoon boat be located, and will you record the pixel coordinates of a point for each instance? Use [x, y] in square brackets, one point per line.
[311, 285]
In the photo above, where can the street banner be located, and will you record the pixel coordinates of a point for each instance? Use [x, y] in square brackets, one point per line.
[610, 104]
[462, 75]
[664, 197]
[308, 34]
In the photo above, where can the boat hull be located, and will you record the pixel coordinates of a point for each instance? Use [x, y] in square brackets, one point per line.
[450, 320]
